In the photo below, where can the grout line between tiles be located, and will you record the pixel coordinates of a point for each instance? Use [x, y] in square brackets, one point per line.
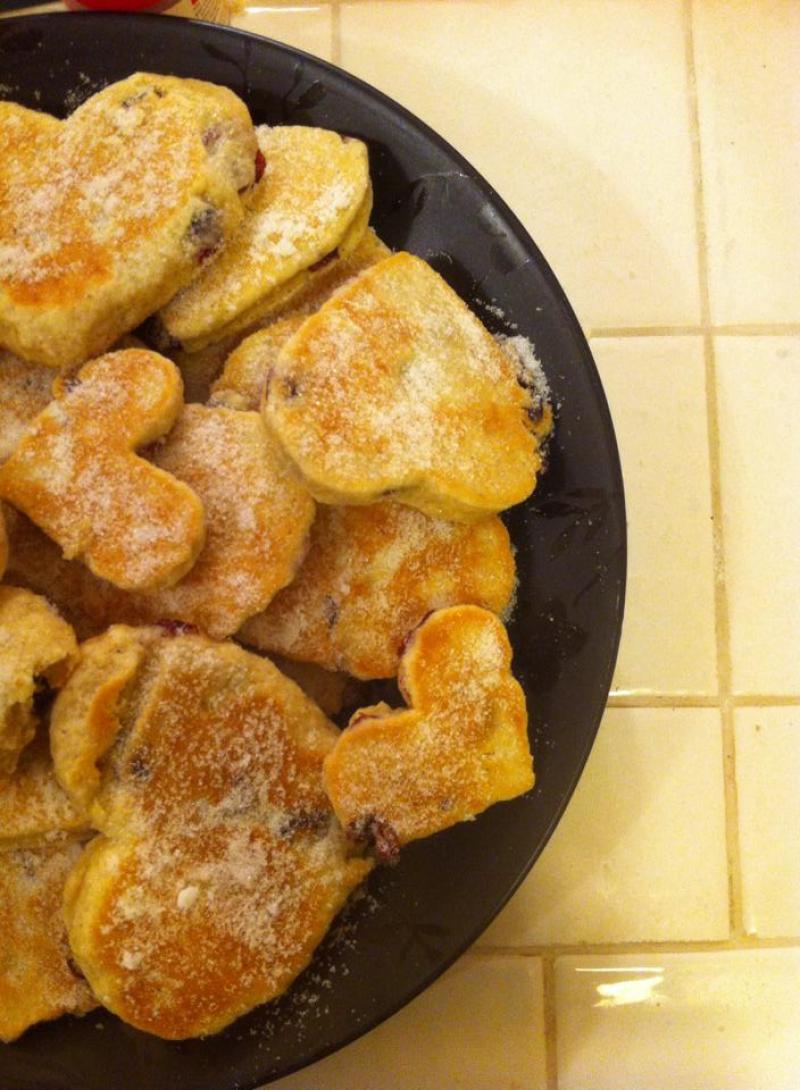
[646, 699]
[735, 881]
[549, 1017]
[740, 329]
[755, 329]
[644, 331]
[661, 700]
[336, 33]
[757, 700]
[552, 951]
[722, 617]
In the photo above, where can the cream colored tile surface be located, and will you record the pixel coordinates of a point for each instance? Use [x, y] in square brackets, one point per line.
[640, 853]
[555, 103]
[759, 401]
[478, 1028]
[767, 778]
[656, 391]
[749, 102]
[716, 1021]
[305, 26]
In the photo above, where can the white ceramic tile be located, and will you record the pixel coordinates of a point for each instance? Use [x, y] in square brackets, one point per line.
[305, 26]
[749, 101]
[480, 1027]
[705, 1021]
[767, 778]
[640, 852]
[577, 113]
[656, 391]
[759, 404]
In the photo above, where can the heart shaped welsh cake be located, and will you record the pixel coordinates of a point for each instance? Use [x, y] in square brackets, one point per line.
[103, 217]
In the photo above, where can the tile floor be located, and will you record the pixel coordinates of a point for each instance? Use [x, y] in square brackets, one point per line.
[652, 147]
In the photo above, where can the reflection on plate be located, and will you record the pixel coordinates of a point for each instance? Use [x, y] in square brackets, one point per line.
[416, 919]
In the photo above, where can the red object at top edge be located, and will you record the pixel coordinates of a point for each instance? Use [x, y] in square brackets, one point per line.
[117, 5]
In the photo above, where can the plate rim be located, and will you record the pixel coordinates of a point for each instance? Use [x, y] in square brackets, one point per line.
[521, 234]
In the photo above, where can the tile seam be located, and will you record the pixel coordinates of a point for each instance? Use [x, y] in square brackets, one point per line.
[552, 951]
[732, 820]
[700, 700]
[336, 33]
[721, 612]
[643, 331]
[549, 1015]
[662, 700]
[756, 329]
[763, 700]
[739, 329]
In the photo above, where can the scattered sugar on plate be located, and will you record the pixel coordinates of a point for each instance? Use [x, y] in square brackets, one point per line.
[523, 353]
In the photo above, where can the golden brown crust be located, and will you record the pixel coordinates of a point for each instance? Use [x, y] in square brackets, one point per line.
[330, 689]
[300, 290]
[25, 389]
[39, 826]
[36, 648]
[371, 575]
[3, 543]
[314, 186]
[358, 250]
[460, 746]
[257, 517]
[221, 866]
[394, 387]
[76, 475]
[241, 384]
[233, 819]
[206, 374]
[87, 715]
[35, 562]
[229, 373]
[34, 808]
[128, 703]
[182, 935]
[36, 981]
[103, 217]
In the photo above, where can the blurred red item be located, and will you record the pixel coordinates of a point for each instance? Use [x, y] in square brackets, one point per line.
[120, 5]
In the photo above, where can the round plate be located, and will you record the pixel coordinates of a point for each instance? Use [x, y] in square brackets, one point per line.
[570, 539]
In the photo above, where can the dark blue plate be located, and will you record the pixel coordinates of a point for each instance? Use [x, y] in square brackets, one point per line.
[570, 540]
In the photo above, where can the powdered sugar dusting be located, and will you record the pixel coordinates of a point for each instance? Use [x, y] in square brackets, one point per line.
[87, 166]
[461, 746]
[99, 213]
[262, 905]
[522, 353]
[25, 389]
[37, 980]
[75, 474]
[224, 864]
[33, 805]
[395, 380]
[312, 186]
[257, 517]
[371, 575]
